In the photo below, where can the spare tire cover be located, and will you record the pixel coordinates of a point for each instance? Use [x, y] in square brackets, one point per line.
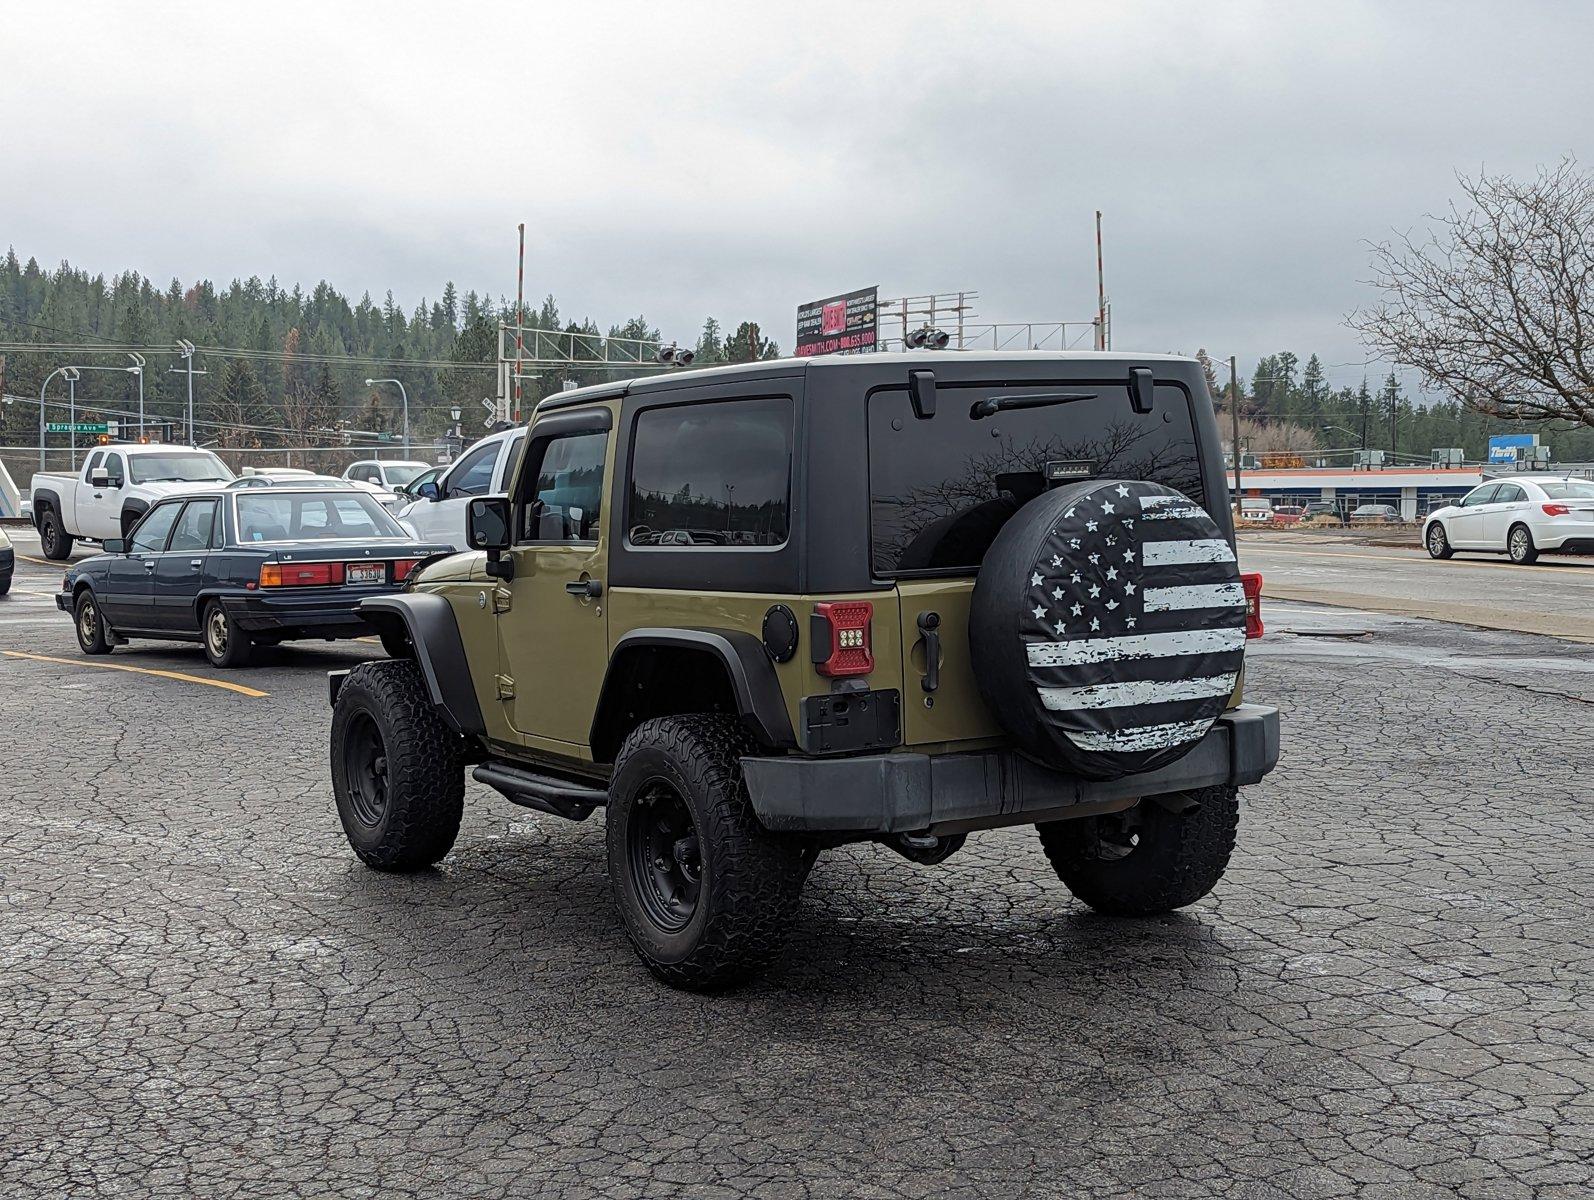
[1108, 626]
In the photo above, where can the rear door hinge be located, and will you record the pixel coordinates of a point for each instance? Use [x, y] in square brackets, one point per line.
[506, 687]
[502, 599]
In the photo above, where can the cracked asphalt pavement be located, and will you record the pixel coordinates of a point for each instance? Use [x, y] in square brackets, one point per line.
[202, 993]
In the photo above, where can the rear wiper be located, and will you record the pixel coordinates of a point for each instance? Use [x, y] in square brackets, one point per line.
[992, 405]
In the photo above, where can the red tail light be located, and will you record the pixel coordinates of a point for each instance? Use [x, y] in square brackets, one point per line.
[402, 568]
[840, 637]
[1252, 583]
[1556, 510]
[317, 574]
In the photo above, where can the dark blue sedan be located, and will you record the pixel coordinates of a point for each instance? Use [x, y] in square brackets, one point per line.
[234, 569]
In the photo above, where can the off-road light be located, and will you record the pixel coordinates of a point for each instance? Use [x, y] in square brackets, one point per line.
[667, 353]
[915, 340]
[839, 637]
[683, 358]
[936, 339]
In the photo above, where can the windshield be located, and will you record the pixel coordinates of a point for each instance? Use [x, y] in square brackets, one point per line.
[180, 466]
[273, 516]
[1572, 489]
[941, 489]
[402, 473]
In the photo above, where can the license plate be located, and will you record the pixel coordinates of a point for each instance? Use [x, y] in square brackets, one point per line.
[367, 573]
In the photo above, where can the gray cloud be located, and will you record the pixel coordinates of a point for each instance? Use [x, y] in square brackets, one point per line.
[686, 160]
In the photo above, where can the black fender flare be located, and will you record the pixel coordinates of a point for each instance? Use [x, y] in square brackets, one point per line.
[137, 508]
[759, 700]
[44, 499]
[433, 630]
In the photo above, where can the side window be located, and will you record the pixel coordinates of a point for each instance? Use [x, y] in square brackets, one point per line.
[93, 464]
[564, 501]
[194, 526]
[517, 448]
[1509, 493]
[474, 474]
[715, 474]
[114, 468]
[1480, 495]
[150, 536]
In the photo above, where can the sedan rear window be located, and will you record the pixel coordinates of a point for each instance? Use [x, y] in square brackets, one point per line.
[274, 516]
[1572, 489]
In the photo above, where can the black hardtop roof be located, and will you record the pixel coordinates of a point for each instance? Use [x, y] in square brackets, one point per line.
[1111, 361]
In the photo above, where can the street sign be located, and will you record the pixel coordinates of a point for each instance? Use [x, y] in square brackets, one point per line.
[76, 427]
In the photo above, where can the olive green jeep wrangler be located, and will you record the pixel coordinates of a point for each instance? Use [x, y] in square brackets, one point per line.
[758, 611]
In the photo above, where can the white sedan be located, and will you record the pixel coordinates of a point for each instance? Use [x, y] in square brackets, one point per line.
[1522, 517]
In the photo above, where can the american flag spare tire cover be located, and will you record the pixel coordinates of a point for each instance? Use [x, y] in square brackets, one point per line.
[1108, 626]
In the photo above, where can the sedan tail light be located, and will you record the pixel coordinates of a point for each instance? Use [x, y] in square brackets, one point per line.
[402, 568]
[1556, 510]
[839, 637]
[315, 574]
[1252, 583]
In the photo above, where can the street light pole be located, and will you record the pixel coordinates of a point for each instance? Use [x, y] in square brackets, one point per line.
[42, 387]
[406, 398]
[138, 361]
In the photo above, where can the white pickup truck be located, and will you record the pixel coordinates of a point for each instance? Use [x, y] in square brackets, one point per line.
[112, 489]
[485, 469]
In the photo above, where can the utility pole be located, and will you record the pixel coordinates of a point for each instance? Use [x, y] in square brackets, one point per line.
[1234, 417]
[1101, 291]
[520, 318]
[71, 411]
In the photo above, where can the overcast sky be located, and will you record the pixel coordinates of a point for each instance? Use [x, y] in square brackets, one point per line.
[686, 160]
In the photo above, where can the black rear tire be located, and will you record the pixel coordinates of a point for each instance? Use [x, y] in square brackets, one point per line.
[706, 894]
[226, 645]
[92, 637]
[1438, 544]
[1519, 546]
[53, 537]
[397, 775]
[1147, 860]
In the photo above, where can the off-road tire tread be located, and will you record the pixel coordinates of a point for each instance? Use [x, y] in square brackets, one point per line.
[424, 813]
[62, 548]
[1183, 863]
[757, 880]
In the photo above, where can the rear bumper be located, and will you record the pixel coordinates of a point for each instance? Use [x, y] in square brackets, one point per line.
[314, 616]
[949, 793]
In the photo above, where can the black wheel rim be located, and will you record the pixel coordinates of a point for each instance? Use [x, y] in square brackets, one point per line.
[365, 769]
[1117, 835]
[49, 537]
[665, 856]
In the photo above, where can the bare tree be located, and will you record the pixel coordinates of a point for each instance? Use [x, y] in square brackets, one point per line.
[1495, 303]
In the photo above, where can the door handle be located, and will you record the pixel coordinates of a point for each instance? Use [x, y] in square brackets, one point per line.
[929, 626]
[587, 589]
[196, 563]
[149, 564]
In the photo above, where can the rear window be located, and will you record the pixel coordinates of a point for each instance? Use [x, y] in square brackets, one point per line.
[268, 516]
[1572, 489]
[941, 489]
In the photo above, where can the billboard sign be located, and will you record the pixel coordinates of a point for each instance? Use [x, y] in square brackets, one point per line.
[1509, 447]
[838, 324]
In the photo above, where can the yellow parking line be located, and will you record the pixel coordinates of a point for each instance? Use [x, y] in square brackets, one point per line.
[44, 562]
[177, 675]
[1417, 557]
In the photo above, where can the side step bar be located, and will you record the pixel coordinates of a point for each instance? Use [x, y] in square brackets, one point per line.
[545, 793]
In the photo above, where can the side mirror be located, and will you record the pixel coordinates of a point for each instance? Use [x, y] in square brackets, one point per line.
[428, 491]
[100, 477]
[487, 528]
[114, 546]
